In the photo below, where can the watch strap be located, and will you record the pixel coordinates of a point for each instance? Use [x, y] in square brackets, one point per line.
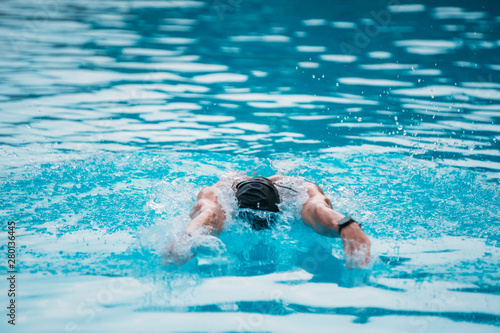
[345, 222]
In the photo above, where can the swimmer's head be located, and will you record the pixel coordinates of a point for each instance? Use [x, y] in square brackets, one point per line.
[258, 194]
[258, 219]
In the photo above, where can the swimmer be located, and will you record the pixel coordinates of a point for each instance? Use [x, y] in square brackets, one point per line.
[258, 200]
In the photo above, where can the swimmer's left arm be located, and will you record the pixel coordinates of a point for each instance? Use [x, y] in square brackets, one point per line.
[317, 212]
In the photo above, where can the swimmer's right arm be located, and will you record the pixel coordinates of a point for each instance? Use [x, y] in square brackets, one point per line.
[207, 218]
[207, 215]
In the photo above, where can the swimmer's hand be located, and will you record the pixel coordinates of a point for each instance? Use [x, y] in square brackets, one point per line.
[356, 246]
[179, 251]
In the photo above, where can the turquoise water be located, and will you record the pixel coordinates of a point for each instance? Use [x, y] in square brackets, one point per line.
[114, 114]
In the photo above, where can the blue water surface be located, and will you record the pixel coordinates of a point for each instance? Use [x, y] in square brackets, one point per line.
[114, 114]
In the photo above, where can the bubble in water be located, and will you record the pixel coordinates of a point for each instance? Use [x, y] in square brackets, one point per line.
[400, 127]
[209, 246]
[360, 119]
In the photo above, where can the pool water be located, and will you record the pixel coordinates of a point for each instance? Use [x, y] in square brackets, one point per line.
[115, 114]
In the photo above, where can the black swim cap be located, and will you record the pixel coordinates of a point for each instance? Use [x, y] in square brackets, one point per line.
[258, 193]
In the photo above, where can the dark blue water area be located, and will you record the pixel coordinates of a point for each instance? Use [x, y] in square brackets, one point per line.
[115, 114]
[253, 77]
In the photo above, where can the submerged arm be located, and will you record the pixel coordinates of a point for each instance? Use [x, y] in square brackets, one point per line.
[207, 218]
[318, 213]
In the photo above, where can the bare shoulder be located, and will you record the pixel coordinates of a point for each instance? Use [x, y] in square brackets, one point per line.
[208, 193]
[311, 188]
[314, 190]
[316, 195]
[207, 198]
[278, 177]
[275, 178]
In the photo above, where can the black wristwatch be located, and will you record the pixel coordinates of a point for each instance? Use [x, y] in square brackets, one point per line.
[345, 222]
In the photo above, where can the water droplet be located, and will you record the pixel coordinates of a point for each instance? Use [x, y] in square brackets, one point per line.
[400, 127]
[396, 118]
[360, 119]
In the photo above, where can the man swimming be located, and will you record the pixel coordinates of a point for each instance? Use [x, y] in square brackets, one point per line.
[258, 200]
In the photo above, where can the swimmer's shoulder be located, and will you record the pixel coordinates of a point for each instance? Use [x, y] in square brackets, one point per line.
[290, 185]
[277, 178]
